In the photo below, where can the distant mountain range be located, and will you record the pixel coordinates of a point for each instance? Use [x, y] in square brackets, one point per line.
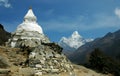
[4, 35]
[109, 44]
[73, 42]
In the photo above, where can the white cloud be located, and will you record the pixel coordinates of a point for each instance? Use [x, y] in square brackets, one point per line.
[117, 12]
[5, 3]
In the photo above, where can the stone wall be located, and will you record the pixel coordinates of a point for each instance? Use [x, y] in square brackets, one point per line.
[27, 38]
[45, 59]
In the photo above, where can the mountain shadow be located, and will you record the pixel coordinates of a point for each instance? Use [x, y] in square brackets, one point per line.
[109, 44]
[4, 35]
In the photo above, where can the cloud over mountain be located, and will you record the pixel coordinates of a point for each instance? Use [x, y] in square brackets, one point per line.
[5, 3]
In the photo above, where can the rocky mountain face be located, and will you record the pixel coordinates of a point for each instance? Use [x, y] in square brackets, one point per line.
[109, 44]
[73, 42]
[4, 35]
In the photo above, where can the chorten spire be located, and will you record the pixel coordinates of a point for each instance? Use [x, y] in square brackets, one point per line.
[30, 17]
[30, 7]
[30, 23]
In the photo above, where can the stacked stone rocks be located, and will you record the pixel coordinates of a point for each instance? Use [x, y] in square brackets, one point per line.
[42, 56]
[27, 38]
[48, 59]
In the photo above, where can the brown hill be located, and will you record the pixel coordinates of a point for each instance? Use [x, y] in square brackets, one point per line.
[4, 35]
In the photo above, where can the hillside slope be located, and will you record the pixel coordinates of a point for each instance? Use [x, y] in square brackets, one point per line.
[109, 44]
[4, 35]
[12, 57]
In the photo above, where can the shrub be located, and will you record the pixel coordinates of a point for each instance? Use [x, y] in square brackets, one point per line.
[103, 63]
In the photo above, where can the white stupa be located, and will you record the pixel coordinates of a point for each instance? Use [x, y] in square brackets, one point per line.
[29, 23]
[28, 33]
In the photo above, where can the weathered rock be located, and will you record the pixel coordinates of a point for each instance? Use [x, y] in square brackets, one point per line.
[50, 60]
[38, 74]
[41, 55]
[55, 70]
[27, 38]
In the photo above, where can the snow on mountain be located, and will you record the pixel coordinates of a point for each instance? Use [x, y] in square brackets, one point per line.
[73, 42]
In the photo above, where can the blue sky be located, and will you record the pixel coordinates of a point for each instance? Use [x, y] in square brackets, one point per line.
[58, 18]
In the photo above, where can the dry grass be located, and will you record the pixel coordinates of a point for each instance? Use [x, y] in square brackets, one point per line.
[18, 71]
[80, 71]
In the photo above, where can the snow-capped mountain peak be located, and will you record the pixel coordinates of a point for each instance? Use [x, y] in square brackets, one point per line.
[73, 42]
[76, 35]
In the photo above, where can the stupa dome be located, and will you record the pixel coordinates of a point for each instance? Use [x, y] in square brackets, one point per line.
[29, 23]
